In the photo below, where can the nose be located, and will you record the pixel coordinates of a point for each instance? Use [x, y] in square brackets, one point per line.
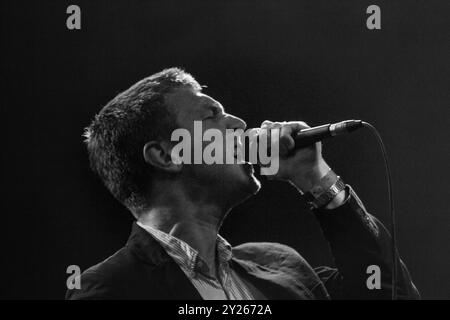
[234, 122]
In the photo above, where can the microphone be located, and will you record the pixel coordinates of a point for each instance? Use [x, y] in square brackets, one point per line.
[312, 135]
[303, 138]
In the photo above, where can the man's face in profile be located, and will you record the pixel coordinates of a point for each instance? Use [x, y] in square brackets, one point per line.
[232, 182]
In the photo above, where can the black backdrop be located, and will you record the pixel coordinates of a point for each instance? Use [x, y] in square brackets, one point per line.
[308, 60]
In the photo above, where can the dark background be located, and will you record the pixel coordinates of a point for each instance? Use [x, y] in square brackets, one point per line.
[302, 60]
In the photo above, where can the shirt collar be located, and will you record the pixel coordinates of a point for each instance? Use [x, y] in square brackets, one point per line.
[186, 256]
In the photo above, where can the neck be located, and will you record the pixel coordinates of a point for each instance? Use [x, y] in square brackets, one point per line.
[195, 222]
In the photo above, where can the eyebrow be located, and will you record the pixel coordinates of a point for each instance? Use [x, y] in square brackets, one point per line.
[212, 106]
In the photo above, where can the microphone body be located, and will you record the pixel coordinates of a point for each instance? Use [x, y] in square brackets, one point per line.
[303, 138]
[312, 135]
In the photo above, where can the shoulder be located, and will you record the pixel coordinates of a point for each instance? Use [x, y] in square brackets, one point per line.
[103, 280]
[261, 247]
[279, 259]
[115, 264]
[269, 254]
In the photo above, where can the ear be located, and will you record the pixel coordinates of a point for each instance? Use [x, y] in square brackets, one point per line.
[158, 154]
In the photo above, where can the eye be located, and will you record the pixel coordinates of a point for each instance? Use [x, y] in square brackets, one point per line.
[209, 116]
[213, 114]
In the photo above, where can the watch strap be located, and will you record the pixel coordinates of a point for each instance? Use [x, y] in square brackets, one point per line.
[325, 190]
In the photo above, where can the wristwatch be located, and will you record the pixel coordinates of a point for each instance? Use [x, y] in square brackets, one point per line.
[325, 190]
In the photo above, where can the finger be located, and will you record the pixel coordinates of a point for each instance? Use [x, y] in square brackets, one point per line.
[267, 127]
[287, 143]
[266, 123]
[298, 125]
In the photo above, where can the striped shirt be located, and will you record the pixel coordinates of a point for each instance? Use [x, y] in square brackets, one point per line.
[227, 285]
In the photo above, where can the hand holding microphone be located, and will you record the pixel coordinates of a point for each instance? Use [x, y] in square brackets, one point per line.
[300, 150]
[306, 167]
[299, 166]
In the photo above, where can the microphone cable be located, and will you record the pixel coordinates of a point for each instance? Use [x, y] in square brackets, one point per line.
[393, 225]
[355, 124]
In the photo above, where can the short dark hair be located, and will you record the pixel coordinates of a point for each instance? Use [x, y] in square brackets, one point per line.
[116, 137]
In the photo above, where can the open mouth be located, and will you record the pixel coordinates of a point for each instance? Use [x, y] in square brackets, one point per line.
[239, 159]
[238, 155]
[238, 152]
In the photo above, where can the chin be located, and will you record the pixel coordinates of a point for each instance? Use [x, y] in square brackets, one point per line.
[255, 184]
[248, 184]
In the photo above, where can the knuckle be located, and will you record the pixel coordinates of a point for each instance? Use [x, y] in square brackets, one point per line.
[303, 124]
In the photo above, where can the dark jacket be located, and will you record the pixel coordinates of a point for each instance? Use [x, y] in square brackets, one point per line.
[143, 270]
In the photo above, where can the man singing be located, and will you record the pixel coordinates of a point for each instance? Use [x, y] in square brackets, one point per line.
[175, 250]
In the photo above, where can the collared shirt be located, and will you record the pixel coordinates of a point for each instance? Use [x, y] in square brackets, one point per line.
[227, 286]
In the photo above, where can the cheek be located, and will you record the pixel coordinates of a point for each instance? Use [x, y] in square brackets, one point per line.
[207, 174]
[220, 173]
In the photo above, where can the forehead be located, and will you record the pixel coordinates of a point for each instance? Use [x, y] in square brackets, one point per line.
[186, 101]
